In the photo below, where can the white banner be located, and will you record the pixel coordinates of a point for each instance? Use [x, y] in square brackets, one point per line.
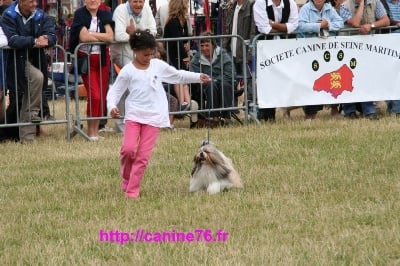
[307, 71]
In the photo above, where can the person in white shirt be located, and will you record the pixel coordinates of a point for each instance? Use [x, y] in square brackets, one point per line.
[273, 16]
[128, 17]
[283, 18]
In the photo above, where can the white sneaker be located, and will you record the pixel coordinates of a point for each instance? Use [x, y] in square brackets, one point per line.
[106, 129]
[93, 139]
[96, 138]
[194, 106]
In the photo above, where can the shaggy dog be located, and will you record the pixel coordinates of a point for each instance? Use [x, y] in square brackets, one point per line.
[213, 171]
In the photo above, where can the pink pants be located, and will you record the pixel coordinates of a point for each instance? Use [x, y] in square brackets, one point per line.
[137, 147]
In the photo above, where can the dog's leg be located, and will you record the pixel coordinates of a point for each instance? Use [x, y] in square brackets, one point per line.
[214, 188]
[225, 185]
[196, 184]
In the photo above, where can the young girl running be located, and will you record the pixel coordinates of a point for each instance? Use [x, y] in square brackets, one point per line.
[146, 107]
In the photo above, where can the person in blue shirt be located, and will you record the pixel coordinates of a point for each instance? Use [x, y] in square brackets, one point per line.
[317, 18]
[365, 15]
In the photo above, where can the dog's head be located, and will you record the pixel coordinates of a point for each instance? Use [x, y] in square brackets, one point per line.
[212, 168]
[206, 154]
[209, 157]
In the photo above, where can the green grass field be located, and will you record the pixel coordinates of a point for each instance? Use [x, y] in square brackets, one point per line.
[320, 193]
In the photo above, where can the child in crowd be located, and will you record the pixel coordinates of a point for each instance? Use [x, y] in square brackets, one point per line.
[146, 107]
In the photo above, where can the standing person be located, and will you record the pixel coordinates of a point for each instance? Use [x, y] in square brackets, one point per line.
[392, 7]
[3, 62]
[365, 15]
[274, 16]
[162, 16]
[177, 27]
[146, 106]
[240, 22]
[29, 30]
[317, 18]
[92, 24]
[128, 17]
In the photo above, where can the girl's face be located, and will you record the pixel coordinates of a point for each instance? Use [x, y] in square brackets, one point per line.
[144, 56]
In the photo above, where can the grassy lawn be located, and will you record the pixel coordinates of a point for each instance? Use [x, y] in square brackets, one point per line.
[320, 193]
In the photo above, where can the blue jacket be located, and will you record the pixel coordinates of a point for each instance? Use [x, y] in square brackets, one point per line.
[23, 42]
[309, 16]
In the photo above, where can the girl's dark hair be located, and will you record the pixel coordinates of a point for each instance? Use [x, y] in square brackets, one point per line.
[142, 39]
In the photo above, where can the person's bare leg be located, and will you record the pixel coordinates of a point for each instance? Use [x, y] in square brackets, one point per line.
[93, 128]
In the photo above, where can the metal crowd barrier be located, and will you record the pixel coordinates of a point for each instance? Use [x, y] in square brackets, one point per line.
[195, 48]
[78, 115]
[11, 100]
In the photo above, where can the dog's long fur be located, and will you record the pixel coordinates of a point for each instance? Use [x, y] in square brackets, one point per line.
[213, 171]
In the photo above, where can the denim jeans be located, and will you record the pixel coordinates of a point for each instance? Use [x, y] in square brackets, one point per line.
[393, 106]
[367, 108]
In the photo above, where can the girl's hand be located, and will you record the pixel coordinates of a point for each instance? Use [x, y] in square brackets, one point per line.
[115, 113]
[205, 78]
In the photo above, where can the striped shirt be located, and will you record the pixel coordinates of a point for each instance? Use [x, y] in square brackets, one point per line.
[394, 10]
[380, 10]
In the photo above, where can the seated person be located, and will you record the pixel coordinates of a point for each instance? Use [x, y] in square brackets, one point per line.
[215, 62]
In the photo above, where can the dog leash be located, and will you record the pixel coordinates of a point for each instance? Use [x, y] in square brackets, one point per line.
[205, 142]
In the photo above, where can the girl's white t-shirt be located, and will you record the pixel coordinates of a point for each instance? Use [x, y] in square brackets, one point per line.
[147, 101]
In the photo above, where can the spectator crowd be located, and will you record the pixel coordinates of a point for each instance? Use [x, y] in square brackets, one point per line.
[29, 32]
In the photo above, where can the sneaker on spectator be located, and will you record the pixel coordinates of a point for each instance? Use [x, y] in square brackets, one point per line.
[106, 129]
[96, 138]
[184, 106]
[372, 117]
[352, 115]
[194, 107]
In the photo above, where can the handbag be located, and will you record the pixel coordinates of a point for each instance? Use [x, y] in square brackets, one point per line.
[83, 64]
